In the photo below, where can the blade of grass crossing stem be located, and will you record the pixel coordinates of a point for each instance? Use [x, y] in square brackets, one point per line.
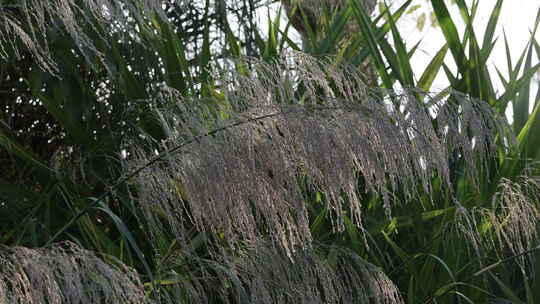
[506, 290]
[268, 47]
[310, 44]
[514, 72]
[473, 82]
[485, 54]
[431, 71]
[126, 234]
[479, 83]
[486, 51]
[501, 78]
[451, 78]
[286, 39]
[234, 48]
[400, 252]
[319, 221]
[414, 49]
[392, 60]
[431, 266]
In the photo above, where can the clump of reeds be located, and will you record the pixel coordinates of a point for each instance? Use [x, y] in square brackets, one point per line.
[240, 169]
[25, 31]
[262, 273]
[509, 228]
[250, 178]
[272, 277]
[64, 274]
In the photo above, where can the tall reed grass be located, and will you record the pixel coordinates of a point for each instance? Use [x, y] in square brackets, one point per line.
[145, 163]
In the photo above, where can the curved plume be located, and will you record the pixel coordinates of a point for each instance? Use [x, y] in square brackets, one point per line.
[297, 125]
[64, 274]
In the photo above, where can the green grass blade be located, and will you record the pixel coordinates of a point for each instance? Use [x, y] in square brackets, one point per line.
[475, 83]
[126, 234]
[354, 234]
[492, 24]
[405, 69]
[537, 50]
[529, 137]
[205, 57]
[503, 80]
[454, 82]
[451, 34]
[464, 11]
[173, 53]
[335, 31]
[367, 29]
[271, 45]
[414, 49]
[357, 51]
[509, 64]
[520, 104]
[515, 86]
[431, 71]
[507, 290]
[398, 250]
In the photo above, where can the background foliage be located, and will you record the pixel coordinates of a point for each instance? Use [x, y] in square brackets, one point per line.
[138, 131]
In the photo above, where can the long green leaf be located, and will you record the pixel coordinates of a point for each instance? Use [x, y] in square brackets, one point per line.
[520, 104]
[174, 56]
[405, 69]
[431, 71]
[529, 137]
[492, 25]
[127, 235]
[366, 27]
[451, 34]
[515, 86]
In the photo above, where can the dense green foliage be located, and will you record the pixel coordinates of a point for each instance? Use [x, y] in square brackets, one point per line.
[140, 131]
